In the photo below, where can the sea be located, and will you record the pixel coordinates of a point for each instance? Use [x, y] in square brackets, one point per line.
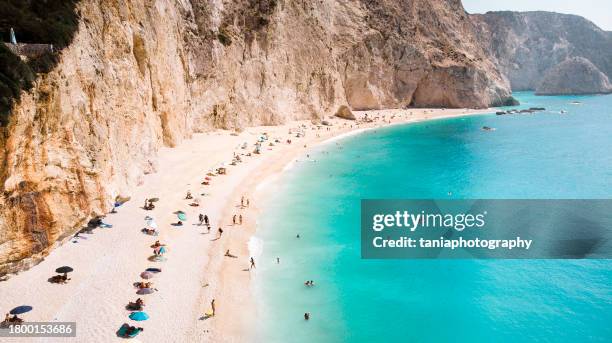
[564, 152]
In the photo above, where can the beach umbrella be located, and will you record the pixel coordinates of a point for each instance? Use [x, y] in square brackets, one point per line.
[160, 250]
[146, 275]
[153, 270]
[181, 216]
[21, 309]
[145, 291]
[139, 316]
[151, 223]
[64, 269]
[157, 258]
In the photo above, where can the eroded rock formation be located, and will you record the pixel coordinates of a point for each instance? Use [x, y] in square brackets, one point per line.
[525, 45]
[345, 112]
[574, 76]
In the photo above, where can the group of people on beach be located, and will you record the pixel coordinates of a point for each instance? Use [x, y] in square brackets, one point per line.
[8, 320]
[146, 287]
[130, 331]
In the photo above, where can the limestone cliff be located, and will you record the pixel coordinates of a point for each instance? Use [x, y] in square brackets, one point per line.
[574, 76]
[525, 45]
[140, 74]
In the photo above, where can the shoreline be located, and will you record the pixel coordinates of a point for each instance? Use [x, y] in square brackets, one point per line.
[230, 330]
[107, 262]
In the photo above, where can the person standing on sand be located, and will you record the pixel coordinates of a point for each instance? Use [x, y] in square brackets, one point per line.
[206, 220]
[201, 218]
[252, 264]
[212, 305]
[234, 219]
[240, 220]
[220, 232]
[248, 202]
[242, 201]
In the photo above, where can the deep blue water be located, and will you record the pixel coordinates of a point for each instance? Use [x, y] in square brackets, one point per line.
[540, 156]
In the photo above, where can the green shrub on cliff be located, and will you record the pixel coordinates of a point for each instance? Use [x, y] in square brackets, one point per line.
[34, 21]
[14, 76]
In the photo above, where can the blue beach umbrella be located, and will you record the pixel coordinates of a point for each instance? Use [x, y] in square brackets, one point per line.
[181, 216]
[139, 316]
[21, 309]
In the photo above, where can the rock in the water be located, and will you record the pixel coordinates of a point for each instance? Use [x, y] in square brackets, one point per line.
[345, 112]
[576, 75]
[510, 101]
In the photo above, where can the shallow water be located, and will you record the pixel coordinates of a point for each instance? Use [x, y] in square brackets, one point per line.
[541, 156]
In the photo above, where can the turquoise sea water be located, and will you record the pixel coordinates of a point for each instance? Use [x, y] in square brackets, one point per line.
[540, 156]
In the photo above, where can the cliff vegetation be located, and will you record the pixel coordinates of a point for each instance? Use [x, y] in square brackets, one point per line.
[34, 21]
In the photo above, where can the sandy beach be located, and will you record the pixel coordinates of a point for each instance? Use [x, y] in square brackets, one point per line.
[109, 260]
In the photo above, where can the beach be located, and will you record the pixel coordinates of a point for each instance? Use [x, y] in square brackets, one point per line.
[109, 260]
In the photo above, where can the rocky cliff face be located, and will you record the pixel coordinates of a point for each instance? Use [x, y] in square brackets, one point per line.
[525, 45]
[143, 74]
[574, 76]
